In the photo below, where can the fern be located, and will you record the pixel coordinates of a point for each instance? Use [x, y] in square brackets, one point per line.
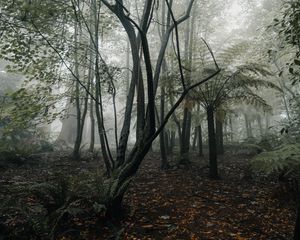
[232, 53]
[285, 159]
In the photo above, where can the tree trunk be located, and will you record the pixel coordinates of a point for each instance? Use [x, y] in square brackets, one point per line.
[260, 125]
[127, 168]
[92, 139]
[213, 165]
[162, 136]
[231, 129]
[172, 141]
[297, 225]
[195, 139]
[219, 136]
[248, 126]
[267, 119]
[98, 104]
[187, 117]
[76, 149]
[185, 137]
[200, 144]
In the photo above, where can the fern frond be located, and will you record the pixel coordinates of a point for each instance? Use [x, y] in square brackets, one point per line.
[249, 98]
[286, 158]
[242, 80]
[232, 53]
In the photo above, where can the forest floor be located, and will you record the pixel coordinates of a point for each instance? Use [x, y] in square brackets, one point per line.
[180, 203]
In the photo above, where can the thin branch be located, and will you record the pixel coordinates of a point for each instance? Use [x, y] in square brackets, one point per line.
[171, 111]
[64, 62]
[177, 44]
[211, 52]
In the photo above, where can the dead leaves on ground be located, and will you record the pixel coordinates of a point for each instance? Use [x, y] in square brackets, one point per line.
[185, 204]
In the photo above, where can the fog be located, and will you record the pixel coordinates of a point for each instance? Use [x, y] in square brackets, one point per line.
[106, 105]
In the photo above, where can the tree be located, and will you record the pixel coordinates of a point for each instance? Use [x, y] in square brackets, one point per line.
[125, 168]
[233, 84]
[288, 29]
[121, 168]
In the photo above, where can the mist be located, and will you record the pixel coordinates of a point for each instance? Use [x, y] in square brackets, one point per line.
[149, 119]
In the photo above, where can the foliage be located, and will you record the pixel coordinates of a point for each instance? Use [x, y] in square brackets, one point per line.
[284, 159]
[55, 203]
[291, 128]
[270, 141]
[244, 148]
[287, 26]
[19, 145]
[239, 80]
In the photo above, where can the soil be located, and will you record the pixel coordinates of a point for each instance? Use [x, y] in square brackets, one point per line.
[179, 203]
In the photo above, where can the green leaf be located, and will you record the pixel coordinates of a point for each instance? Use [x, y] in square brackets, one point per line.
[99, 207]
[297, 62]
[74, 211]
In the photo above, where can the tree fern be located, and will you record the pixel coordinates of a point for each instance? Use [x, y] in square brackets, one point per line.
[232, 54]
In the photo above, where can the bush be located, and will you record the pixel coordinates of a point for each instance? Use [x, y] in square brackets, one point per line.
[53, 206]
[270, 141]
[285, 159]
[16, 147]
[244, 149]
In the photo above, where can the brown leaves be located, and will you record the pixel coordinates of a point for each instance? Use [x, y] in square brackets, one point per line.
[187, 205]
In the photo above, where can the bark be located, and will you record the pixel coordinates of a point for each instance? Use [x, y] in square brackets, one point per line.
[172, 141]
[118, 10]
[128, 168]
[127, 66]
[76, 149]
[213, 165]
[163, 134]
[200, 144]
[185, 137]
[297, 224]
[267, 120]
[258, 118]
[195, 139]
[98, 105]
[231, 129]
[248, 126]
[187, 117]
[92, 119]
[219, 136]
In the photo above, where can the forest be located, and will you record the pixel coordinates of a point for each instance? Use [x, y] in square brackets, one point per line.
[150, 119]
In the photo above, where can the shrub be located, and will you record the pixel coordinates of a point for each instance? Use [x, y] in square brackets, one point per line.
[285, 159]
